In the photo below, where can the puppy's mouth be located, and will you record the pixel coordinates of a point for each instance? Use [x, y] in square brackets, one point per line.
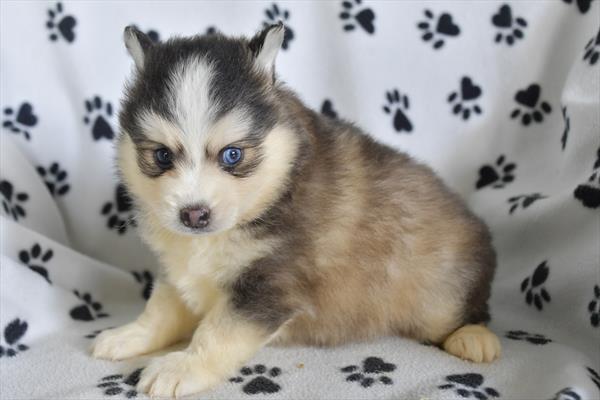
[195, 231]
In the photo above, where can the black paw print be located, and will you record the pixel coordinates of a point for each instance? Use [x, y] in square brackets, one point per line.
[151, 33]
[13, 333]
[328, 110]
[35, 259]
[533, 286]
[533, 338]
[582, 5]
[98, 114]
[260, 383]
[467, 385]
[21, 121]
[594, 308]
[64, 28]
[463, 100]
[592, 50]
[363, 16]
[589, 193]
[97, 332]
[89, 310]
[565, 135]
[524, 201]
[120, 213]
[438, 31]
[373, 366]
[498, 175]
[274, 16]
[13, 207]
[510, 28]
[529, 98]
[113, 385]
[54, 178]
[566, 394]
[594, 376]
[146, 279]
[397, 105]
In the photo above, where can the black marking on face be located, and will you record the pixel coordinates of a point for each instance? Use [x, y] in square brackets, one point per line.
[235, 83]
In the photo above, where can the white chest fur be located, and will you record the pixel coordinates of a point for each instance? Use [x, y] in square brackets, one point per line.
[200, 266]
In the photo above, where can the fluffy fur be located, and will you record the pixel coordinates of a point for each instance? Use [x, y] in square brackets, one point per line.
[319, 236]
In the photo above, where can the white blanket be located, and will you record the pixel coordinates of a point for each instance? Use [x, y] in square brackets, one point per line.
[501, 98]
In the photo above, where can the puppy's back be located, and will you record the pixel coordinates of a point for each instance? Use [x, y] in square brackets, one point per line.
[382, 245]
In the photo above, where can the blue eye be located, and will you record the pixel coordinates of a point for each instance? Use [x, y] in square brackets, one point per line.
[231, 156]
[164, 158]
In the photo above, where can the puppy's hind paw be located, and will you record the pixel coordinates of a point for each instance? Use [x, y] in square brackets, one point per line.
[473, 343]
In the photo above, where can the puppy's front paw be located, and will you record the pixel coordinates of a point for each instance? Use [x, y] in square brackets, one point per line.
[177, 374]
[127, 341]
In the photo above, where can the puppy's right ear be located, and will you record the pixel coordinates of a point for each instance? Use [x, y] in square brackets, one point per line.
[138, 44]
[265, 45]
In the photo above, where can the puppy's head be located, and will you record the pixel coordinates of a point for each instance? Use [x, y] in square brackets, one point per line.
[201, 148]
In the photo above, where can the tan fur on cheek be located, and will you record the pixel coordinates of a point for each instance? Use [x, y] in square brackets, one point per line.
[154, 196]
[145, 190]
[137, 183]
[265, 185]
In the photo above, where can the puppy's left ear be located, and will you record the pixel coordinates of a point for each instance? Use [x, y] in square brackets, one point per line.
[138, 44]
[265, 46]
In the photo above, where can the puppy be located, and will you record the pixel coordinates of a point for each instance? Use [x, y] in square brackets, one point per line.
[274, 223]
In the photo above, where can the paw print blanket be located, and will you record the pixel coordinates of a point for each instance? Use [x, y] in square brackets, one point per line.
[501, 98]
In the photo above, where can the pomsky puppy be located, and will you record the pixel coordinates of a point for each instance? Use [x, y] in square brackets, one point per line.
[275, 224]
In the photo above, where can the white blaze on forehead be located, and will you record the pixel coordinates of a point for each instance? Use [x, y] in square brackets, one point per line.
[192, 125]
[190, 101]
[191, 107]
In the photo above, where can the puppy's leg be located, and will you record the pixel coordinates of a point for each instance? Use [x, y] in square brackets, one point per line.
[222, 342]
[473, 343]
[165, 321]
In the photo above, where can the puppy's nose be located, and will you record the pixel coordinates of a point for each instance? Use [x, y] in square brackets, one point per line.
[195, 217]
